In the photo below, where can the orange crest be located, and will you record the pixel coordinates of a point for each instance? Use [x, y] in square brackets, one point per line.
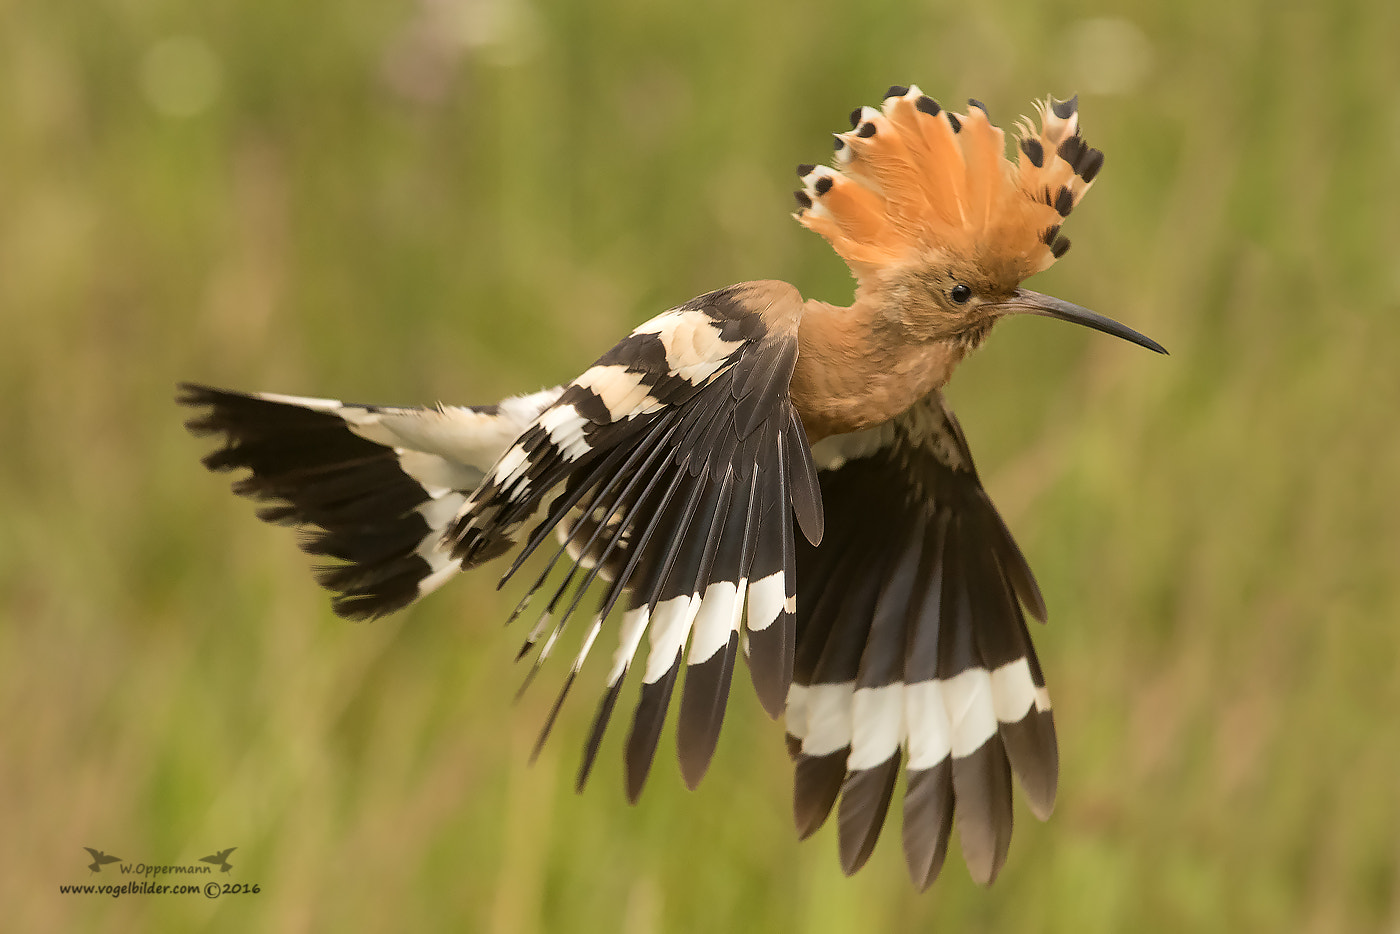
[914, 183]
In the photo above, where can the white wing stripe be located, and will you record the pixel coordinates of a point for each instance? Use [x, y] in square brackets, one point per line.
[305, 402]
[694, 348]
[512, 465]
[624, 392]
[927, 718]
[968, 697]
[438, 512]
[437, 475]
[828, 726]
[798, 713]
[1013, 691]
[934, 718]
[634, 623]
[877, 720]
[713, 622]
[565, 426]
[670, 625]
[767, 600]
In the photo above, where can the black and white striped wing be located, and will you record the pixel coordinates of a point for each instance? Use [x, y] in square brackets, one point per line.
[374, 486]
[672, 468]
[912, 648]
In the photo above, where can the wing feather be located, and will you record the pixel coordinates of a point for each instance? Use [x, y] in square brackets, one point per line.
[672, 469]
[373, 487]
[912, 648]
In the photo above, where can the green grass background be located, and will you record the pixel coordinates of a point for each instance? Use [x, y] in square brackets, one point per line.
[386, 201]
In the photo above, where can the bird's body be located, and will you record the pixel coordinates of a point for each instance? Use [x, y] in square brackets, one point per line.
[754, 471]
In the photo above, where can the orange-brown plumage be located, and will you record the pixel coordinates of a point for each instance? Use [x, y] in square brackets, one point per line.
[939, 228]
[915, 184]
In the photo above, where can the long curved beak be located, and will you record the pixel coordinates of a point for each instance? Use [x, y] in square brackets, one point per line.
[1026, 302]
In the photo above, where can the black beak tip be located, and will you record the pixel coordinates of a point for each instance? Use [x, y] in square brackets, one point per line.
[1038, 304]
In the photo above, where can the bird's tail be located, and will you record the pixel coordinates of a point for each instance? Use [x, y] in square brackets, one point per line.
[373, 487]
[913, 652]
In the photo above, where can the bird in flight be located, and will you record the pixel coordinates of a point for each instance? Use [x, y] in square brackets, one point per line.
[100, 859]
[219, 859]
[754, 473]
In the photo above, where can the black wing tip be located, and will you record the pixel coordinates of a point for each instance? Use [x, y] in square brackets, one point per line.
[553, 717]
[365, 602]
[1033, 751]
[703, 702]
[635, 777]
[928, 820]
[1034, 602]
[595, 734]
[805, 489]
[348, 495]
[865, 801]
[187, 393]
[365, 609]
[647, 721]
[771, 661]
[816, 784]
[982, 788]
[204, 396]
[204, 422]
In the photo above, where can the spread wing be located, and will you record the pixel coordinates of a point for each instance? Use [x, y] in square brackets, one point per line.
[911, 643]
[672, 469]
[373, 485]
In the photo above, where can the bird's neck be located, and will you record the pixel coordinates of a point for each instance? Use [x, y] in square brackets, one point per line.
[863, 365]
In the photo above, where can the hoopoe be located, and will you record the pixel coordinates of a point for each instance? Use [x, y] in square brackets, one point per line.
[752, 450]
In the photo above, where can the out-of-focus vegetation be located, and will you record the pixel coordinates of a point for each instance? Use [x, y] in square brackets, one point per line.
[462, 199]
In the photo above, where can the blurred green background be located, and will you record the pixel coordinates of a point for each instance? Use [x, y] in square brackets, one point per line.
[408, 201]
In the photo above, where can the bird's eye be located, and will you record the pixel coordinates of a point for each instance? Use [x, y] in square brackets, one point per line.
[960, 293]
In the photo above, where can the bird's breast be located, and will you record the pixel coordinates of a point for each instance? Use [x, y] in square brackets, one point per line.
[842, 387]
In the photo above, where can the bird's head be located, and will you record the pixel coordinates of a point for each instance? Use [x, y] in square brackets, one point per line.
[935, 221]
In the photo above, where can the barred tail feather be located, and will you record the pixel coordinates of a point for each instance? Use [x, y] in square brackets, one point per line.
[912, 650]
